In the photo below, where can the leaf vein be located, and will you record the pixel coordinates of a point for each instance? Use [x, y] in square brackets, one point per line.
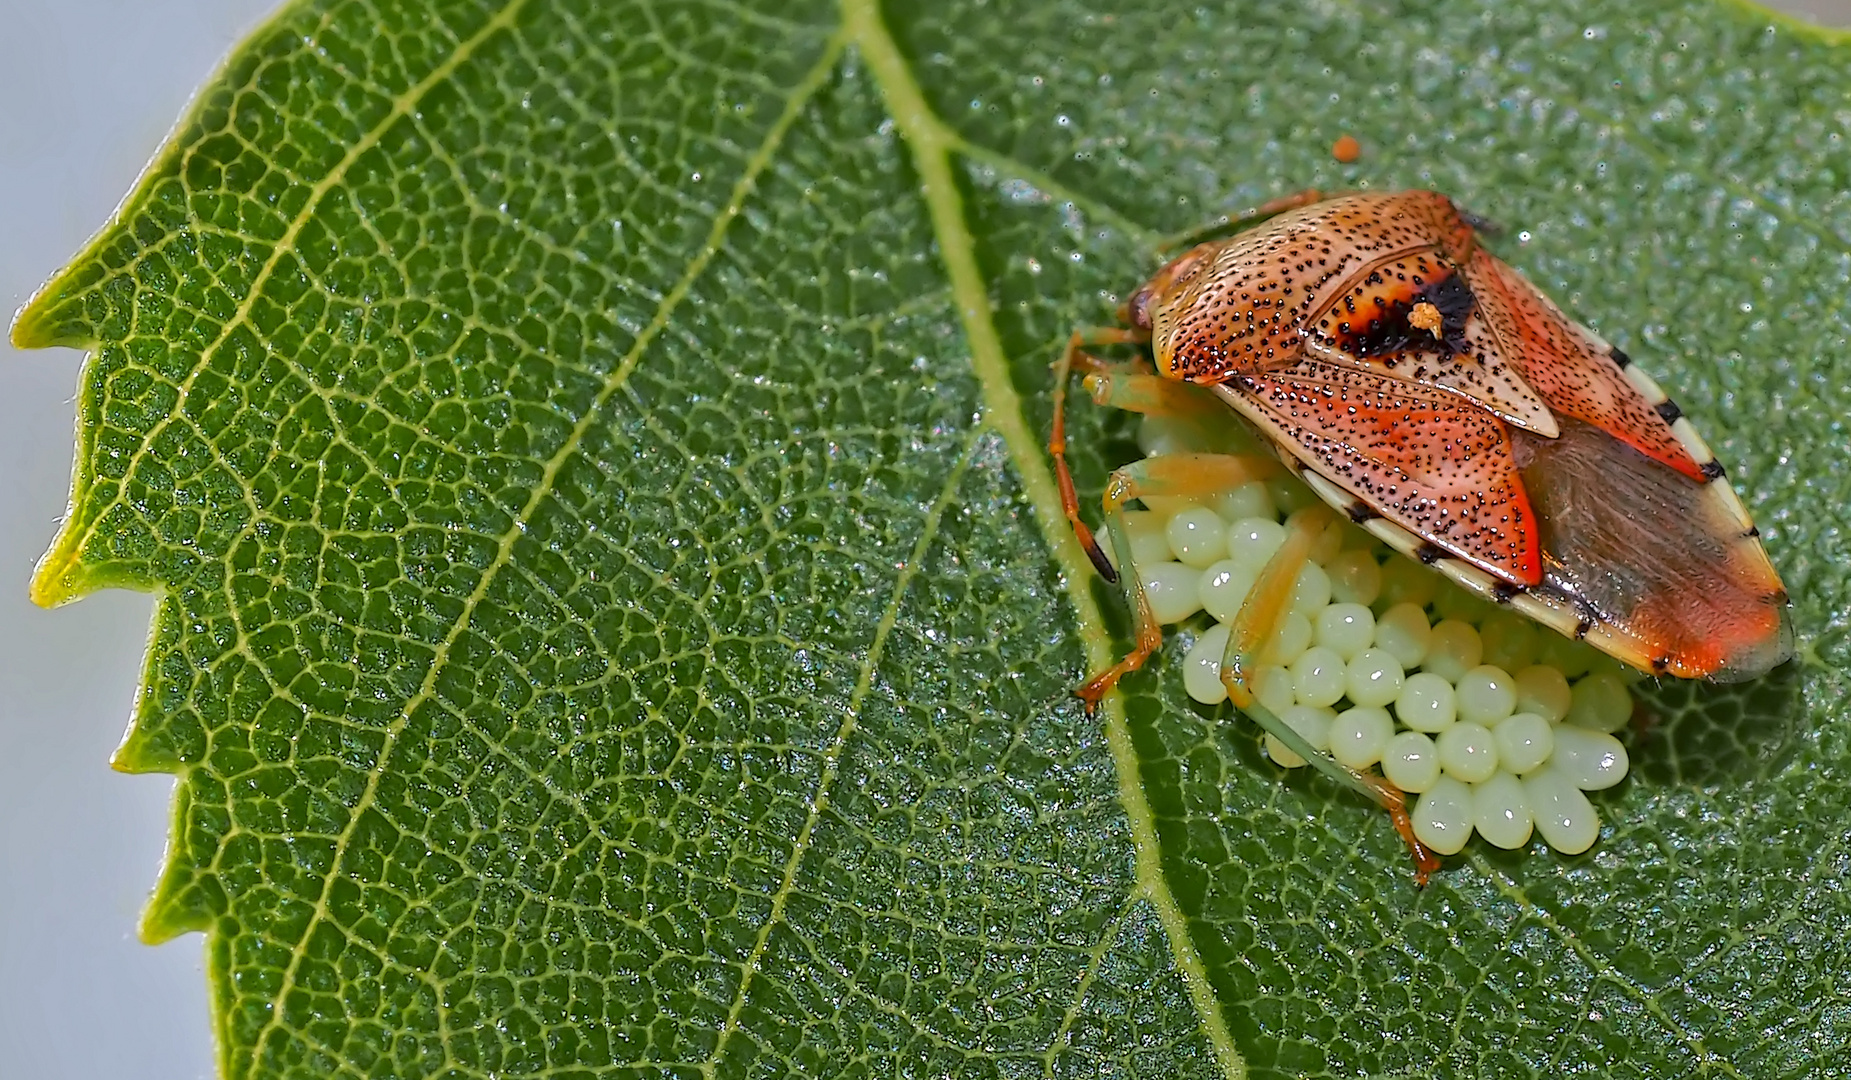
[799, 97]
[832, 756]
[932, 143]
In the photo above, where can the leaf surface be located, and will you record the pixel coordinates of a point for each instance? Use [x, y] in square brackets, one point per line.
[615, 613]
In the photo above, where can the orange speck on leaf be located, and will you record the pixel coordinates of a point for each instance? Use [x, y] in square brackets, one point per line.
[1346, 149]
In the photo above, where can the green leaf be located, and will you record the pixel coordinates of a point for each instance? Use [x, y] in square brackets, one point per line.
[616, 616]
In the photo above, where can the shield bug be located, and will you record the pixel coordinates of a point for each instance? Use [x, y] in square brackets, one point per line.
[1427, 391]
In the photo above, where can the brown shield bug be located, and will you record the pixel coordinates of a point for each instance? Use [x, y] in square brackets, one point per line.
[1427, 391]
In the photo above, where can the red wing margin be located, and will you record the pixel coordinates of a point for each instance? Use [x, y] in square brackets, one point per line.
[1434, 463]
[1575, 375]
[1675, 578]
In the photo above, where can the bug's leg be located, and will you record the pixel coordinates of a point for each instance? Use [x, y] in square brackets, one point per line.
[1248, 634]
[1134, 391]
[1171, 474]
[1228, 224]
[1057, 438]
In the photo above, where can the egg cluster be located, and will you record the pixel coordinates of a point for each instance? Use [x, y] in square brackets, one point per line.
[1496, 724]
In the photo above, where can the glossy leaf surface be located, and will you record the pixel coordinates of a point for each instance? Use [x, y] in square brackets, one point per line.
[616, 618]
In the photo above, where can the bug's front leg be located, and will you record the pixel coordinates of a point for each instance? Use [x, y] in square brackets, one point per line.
[1183, 475]
[1075, 354]
[1228, 224]
[1268, 603]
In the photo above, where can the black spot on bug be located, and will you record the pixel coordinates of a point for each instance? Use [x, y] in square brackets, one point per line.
[1620, 359]
[1778, 598]
[1582, 627]
[1429, 553]
[1361, 512]
[1661, 664]
[1711, 469]
[1751, 532]
[1669, 411]
[1502, 591]
[1391, 332]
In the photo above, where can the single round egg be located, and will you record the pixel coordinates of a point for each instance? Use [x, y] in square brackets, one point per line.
[1358, 735]
[1373, 677]
[1543, 690]
[1467, 752]
[1443, 816]
[1223, 588]
[1524, 742]
[1252, 541]
[1562, 814]
[1486, 694]
[1426, 702]
[1346, 629]
[1202, 666]
[1289, 641]
[1600, 702]
[1249, 500]
[1452, 649]
[1403, 632]
[1355, 577]
[1311, 591]
[1593, 760]
[1501, 811]
[1319, 676]
[1198, 537]
[1170, 588]
[1411, 762]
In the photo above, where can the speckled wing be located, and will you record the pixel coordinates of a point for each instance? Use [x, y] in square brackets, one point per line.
[1243, 303]
[1575, 374]
[1369, 324]
[1430, 461]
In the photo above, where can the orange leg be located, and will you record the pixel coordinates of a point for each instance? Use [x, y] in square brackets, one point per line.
[1171, 474]
[1134, 391]
[1226, 224]
[1057, 438]
[1248, 634]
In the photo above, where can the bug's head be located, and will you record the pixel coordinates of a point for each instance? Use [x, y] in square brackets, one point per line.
[1150, 306]
[1164, 282]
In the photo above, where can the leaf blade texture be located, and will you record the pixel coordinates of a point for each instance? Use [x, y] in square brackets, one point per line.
[613, 614]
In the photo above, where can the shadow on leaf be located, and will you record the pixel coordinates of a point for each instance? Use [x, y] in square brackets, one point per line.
[1704, 734]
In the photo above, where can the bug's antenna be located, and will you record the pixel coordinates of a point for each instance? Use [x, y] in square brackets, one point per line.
[1480, 223]
[1228, 224]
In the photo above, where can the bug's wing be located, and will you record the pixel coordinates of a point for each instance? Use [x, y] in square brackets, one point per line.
[1366, 325]
[1575, 373]
[1668, 568]
[1243, 303]
[1429, 461]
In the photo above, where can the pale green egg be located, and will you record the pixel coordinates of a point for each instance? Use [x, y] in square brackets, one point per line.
[1198, 537]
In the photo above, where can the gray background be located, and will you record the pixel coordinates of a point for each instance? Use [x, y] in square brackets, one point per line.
[88, 88]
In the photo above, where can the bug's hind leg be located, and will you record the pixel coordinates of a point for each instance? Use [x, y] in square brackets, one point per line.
[1182, 475]
[1253, 627]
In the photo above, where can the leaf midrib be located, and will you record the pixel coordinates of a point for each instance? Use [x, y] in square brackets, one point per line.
[742, 189]
[933, 142]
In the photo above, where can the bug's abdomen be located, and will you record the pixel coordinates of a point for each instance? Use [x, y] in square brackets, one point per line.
[1655, 557]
